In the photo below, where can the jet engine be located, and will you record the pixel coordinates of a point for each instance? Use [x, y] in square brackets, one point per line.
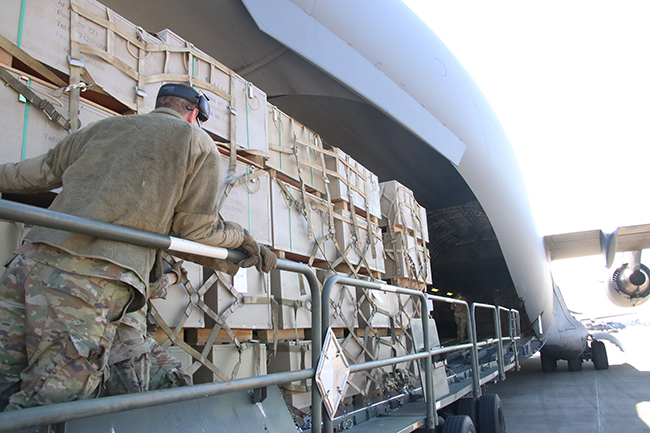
[629, 285]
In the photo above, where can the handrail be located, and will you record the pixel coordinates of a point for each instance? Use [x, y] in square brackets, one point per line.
[497, 326]
[27, 214]
[471, 333]
[61, 412]
[515, 333]
[432, 416]
[34, 417]
[38, 416]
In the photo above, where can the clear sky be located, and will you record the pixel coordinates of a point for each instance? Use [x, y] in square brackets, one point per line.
[570, 82]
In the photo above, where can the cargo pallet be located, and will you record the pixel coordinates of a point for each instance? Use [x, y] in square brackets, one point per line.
[255, 403]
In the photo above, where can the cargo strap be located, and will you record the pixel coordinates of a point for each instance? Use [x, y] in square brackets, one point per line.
[21, 55]
[46, 106]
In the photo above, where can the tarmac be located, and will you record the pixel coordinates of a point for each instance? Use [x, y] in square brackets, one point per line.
[615, 400]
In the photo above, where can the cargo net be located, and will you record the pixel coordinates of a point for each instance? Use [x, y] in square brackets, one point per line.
[370, 325]
[405, 239]
[195, 301]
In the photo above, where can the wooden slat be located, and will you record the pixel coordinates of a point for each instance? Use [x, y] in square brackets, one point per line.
[199, 337]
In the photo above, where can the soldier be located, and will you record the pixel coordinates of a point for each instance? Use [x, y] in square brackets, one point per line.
[136, 362]
[460, 317]
[63, 295]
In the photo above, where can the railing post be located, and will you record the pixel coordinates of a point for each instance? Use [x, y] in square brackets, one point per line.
[514, 315]
[501, 357]
[476, 378]
[317, 334]
[432, 416]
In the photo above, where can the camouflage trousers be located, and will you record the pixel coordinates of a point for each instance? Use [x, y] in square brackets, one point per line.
[56, 331]
[137, 363]
[461, 324]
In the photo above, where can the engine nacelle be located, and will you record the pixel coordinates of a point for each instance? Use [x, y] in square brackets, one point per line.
[627, 287]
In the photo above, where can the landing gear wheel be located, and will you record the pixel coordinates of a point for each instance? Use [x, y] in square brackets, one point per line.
[458, 424]
[490, 414]
[549, 363]
[575, 364]
[599, 355]
[468, 406]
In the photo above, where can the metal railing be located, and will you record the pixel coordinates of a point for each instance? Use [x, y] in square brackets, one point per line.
[38, 416]
[432, 416]
[62, 412]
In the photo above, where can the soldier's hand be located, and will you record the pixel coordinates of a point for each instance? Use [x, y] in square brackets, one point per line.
[250, 247]
[268, 260]
[178, 270]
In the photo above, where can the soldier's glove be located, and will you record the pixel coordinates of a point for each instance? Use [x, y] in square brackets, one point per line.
[215, 264]
[250, 247]
[178, 269]
[268, 260]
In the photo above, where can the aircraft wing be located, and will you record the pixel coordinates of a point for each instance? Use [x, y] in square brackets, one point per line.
[594, 242]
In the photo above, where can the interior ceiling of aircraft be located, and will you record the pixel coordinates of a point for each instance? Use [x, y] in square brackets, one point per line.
[225, 31]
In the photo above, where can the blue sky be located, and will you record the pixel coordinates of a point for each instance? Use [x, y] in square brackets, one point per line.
[570, 82]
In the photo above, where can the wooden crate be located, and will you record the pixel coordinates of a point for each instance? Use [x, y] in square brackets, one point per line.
[401, 212]
[294, 150]
[26, 129]
[248, 203]
[407, 259]
[287, 288]
[349, 178]
[129, 64]
[291, 229]
[345, 235]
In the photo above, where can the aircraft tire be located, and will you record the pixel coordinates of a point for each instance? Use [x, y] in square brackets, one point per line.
[549, 363]
[458, 424]
[468, 406]
[490, 414]
[599, 355]
[575, 364]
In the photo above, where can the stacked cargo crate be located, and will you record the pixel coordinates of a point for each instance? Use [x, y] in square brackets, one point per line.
[309, 202]
[406, 235]
[109, 66]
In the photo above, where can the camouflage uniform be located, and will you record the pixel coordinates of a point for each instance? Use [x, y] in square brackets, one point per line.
[59, 310]
[136, 362]
[58, 317]
[460, 317]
